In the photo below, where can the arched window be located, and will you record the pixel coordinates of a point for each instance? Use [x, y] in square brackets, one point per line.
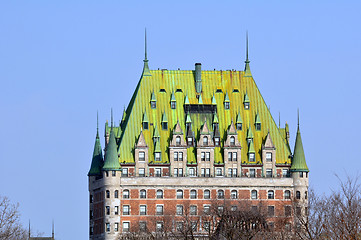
[178, 140]
[116, 193]
[207, 194]
[220, 194]
[126, 194]
[143, 193]
[232, 141]
[159, 193]
[205, 141]
[287, 194]
[298, 195]
[179, 194]
[254, 194]
[271, 194]
[234, 194]
[107, 193]
[193, 194]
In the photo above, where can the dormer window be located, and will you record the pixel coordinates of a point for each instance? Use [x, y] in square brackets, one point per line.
[232, 141]
[269, 157]
[164, 126]
[190, 141]
[217, 141]
[157, 156]
[145, 125]
[246, 105]
[258, 126]
[251, 157]
[153, 104]
[178, 140]
[249, 140]
[226, 105]
[205, 141]
[239, 126]
[173, 104]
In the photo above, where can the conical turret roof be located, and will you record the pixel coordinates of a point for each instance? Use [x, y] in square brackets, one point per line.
[299, 160]
[97, 160]
[111, 161]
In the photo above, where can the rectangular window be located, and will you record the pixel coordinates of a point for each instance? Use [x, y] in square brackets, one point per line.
[175, 172]
[126, 226]
[234, 172]
[203, 172]
[107, 227]
[252, 172]
[203, 156]
[153, 104]
[191, 172]
[271, 211]
[159, 209]
[107, 209]
[175, 156]
[301, 174]
[208, 156]
[179, 226]
[164, 126]
[288, 210]
[193, 210]
[208, 172]
[116, 227]
[113, 173]
[194, 226]
[125, 209]
[190, 141]
[179, 210]
[230, 172]
[206, 209]
[143, 210]
[269, 157]
[218, 171]
[141, 156]
[143, 226]
[180, 156]
[116, 210]
[251, 157]
[246, 105]
[141, 172]
[158, 172]
[172, 104]
[216, 141]
[229, 156]
[124, 172]
[206, 226]
[226, 105]
[239, 126]
[234, 157]
[145, 126]
[180, 170]
[268, 172]
[258, 126]
[285, 173]
[159, 226]
[157, 156]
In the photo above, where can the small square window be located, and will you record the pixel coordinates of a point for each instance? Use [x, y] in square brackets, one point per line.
[145, 125]
[153, 104]
[252, 172]
[258, 127]
[173, 104]
[126, 226]
[251, 157]
[269, 157]
[271, 211]
[226, 105]
[141, 156]
[141, 172]
[124, 172]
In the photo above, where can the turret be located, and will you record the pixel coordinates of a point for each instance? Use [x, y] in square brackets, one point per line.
[97, 160]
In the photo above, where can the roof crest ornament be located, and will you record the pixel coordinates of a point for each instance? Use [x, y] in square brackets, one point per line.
[146, 71]
[247, 70]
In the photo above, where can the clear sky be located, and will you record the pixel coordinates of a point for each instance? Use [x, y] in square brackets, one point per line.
[62, 61]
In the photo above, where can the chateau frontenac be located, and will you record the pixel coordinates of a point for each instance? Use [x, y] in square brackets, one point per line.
[187, 140]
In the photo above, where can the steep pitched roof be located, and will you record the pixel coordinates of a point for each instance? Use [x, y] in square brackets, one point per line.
[299, 160]
[97, 160]
[111, 161]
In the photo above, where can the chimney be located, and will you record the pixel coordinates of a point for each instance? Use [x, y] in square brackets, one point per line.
[198, 77]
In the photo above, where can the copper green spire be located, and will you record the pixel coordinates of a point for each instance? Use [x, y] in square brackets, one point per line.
[299, 160]
[156, 132]
[172, 98]
[188, 118]
[258, 119]
[200, 101]
[226, 98]
[111, 161]
[186, 101]
[249, 133]
[251, 147]
[247, 70]
[215, 118]
[238, 119]
[146, 71]
[97, 160]
[214, 100]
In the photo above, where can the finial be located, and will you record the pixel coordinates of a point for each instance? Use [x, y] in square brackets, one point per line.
[52, 229]
[298, 117]
[29, 228]
[247, 60]
[145, 45]
[111, 117]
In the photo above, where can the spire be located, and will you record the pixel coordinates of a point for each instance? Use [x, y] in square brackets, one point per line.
[172, 97]
[226, 98]
[239, 118]
[124, 115]
[97, 160]
[205, 129]
[188, 118]
[111, 118]
[164, 117]
[214, 102]
[145, 117]
[247, 70]
[111, 161]
[299, 160]
[249, 133]
[186, 101]
[215, 118]
[146, 71]
[232, 129]
[200, 101]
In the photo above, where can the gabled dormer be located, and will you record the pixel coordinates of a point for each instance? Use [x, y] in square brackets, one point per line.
[145, 121]
[173, 102]
[216, 133]
[232, 138]
[164, 122]
[257, 122]
[157, 152]
[232, 152]
[227, 103]
[251, 153]
[205, 139]
[239, 122]
[214, 102]
[269, 157]
[141, 151]
[153, 101]
[156, 135]
[246, 102]
[177, 138]
[249, 137]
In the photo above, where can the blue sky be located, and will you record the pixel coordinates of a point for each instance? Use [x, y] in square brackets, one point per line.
[61, 61]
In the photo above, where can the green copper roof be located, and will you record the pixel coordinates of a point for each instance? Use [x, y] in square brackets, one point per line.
[111, 161]
[258, 119]
[97, 160]
[200, 101]
[239, 118]
[251, 147]
[156, 133]
[299, 160]
[172, 98]
[157, 147]
[164, 117]
[145, 117]
[226, 98]
[188, 120]
[246, 98]
[215, 118]
[186, 101]
[152, 97]
[249, 133]
[214, 101]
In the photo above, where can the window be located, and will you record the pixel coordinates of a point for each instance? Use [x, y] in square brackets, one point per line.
[205, 141]
[124, 172]
[230, 172]
[126, 210]
[217, 141]
[258, 127]
[232, 141]
[175, 174]
[246, 105]
[298, 211]
[254, 194]
[91, 230]
[180, 156]
[234, 154]
[141, 156]
[206, 226]
[157, 156]
[206, 209]
[208, 157]
[287, 194]
[194, 226]
[116, 194]
[193, 194]
[271, 194]
[288, 210]
[269, 157]
[173, 104]
[126, 226]
[145, 125]
[285, 173]
[107, 227]
[239, 126]
[179, 194]
[91, 198]
[218, 171]
[254, 209]
[116, 210]
[251, 157]
[268, 172]
[153, 104]
[179, 226]
[252, 172]
[271, 211]
[305, 194]
[229, 156]
[220, 209]
[141, 172]
[226, 105]
[180, 172]
[207, 194]
[159, 209]
[142, 226]
[234, 172]
[205, 172]
[175, 156]
[234, 194]
[164, 126]
[143, 193]
[178, 140]
[114, 173]
[191, 172]
[220, 194]
[107, 209]
[107, 193]
[301, 174]
[143, 210]
[158, 172]
[234, 208]
[159, 226]
[91, 214]
[159, 194]
[179, 210]
[298, 195]
[189, 141]
[193, 210]
[126, 194]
